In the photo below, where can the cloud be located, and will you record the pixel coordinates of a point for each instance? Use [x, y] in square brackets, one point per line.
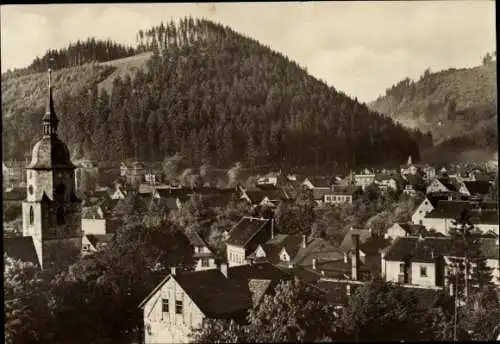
[359, 47]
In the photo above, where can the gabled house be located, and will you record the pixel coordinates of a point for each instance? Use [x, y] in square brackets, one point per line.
[427, 205]
[203, 256]
[93, 242]
[245, 236]
[386, 182]
[264, 197]
[408, 229]
[364, 179]
[289, 251]
[423, 260]
[443, 217]
[182, 301]
[317, 182]
[443, 184]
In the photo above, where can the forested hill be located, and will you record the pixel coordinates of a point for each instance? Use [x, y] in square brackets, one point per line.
[457, 106]
[210, 93]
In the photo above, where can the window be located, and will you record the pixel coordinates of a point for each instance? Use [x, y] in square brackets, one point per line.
[423, 271]
[31, 216]
[164, 305]
[402, 268]
[204, 262]
[420, 222]
[178, 307]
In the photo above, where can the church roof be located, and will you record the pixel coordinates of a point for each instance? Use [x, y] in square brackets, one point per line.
[50, 152]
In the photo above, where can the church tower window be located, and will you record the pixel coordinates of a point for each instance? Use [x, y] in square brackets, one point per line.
[60, 216]
[32, 216]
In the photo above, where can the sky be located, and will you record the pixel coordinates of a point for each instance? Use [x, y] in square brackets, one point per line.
[360, 48]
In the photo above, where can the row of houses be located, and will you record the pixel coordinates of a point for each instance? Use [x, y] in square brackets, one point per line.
[418, 262]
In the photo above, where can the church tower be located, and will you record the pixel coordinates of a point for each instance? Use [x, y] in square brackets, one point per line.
[51, 211]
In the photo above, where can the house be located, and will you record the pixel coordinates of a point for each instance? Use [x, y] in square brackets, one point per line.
[264, 197]
[348, 244]
[443, 217]
[182, 300]
[317, 182]
[427, 205]
[289, 251]
[93, 221]
[13, 173]
[270, 179]
[408, 229]
[409, 168]
[339, 194]
[443, 184]
[93, 242]
[21, 248]
[428, 172]
[423, 260]
[364, 179]
[245, 236]
[478, 188]
[367, 247]
[203, 256]
[86, 176]
[386, 182]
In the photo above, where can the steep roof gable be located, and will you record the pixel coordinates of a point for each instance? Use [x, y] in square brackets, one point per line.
[245, 230]
[21, 248]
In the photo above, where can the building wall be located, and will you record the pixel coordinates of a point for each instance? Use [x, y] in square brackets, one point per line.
[423, 209]
[235, 255]
[440, 225]
[436, 186]
[170, 327]
[199, 264]
[395, 231]
[94, 226]
[364, 180]
[391, 271]
[338, 199]
[425, 280]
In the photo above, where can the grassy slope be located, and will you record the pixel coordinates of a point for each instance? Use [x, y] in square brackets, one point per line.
[128, 65]
[28, 92]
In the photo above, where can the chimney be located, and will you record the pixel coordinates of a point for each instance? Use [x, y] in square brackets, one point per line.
[355, 258]
[322, 273]
[346, 260]
[304, 241]
[172, 270]
[223, 269]
[314, 263]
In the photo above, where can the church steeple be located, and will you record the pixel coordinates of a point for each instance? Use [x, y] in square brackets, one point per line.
[50, 120]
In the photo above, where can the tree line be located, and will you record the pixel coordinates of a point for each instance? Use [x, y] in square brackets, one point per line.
[75, 54]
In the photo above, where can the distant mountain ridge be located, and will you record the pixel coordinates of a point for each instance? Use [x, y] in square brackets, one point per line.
[213, 95]
[457, 106]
